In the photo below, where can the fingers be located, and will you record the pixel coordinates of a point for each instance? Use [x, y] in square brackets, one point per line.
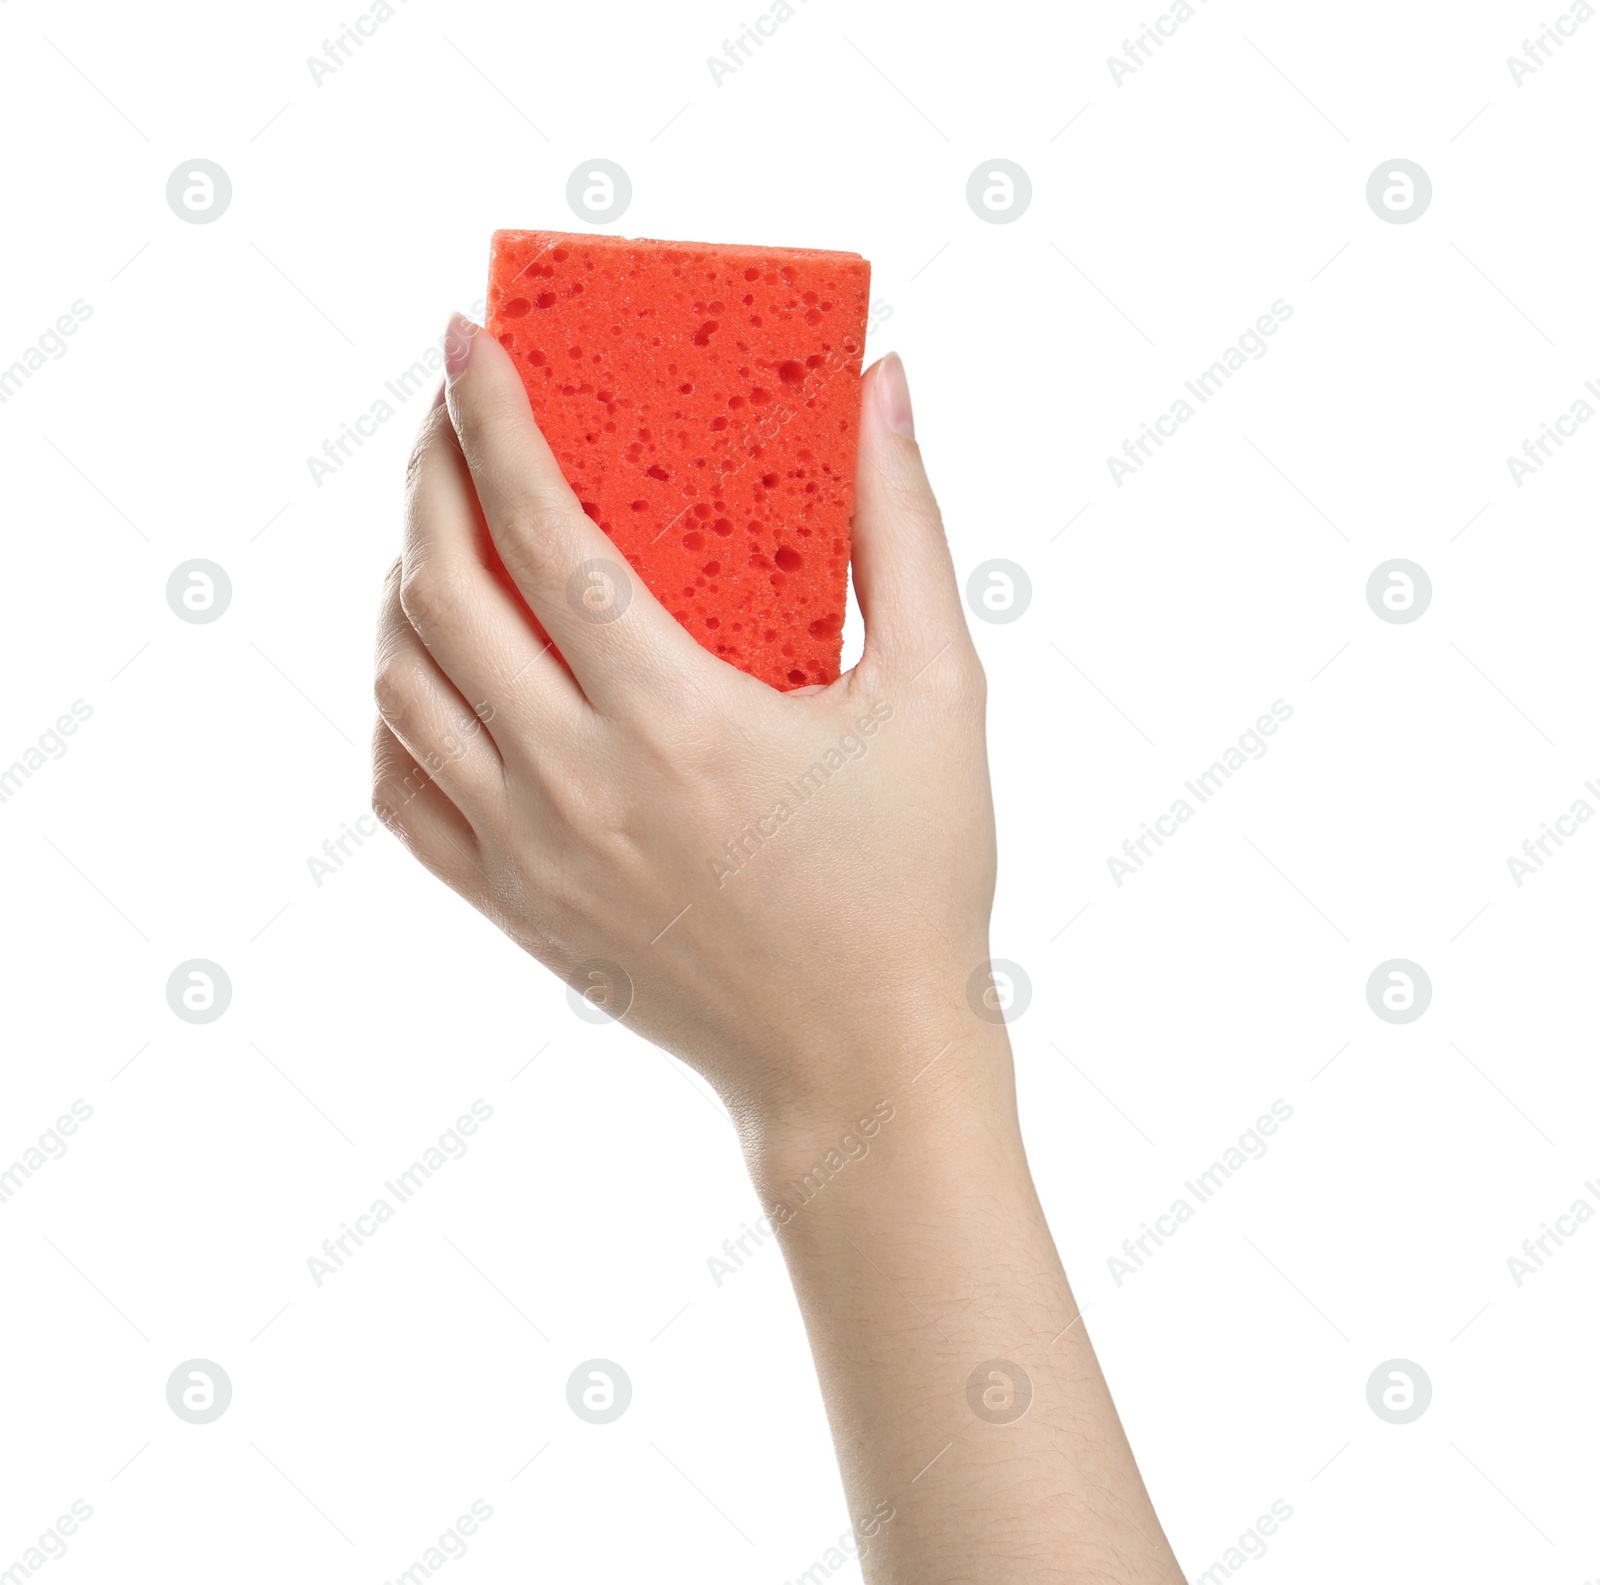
[900, 559]
[427, 713]
[622, 646]
[456, 595]
[411, 804]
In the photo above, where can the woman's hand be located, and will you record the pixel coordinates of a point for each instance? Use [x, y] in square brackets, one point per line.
[766, 884]
[791, 892]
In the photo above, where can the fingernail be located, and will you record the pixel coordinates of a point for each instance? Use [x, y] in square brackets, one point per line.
[458, 346]
[894, 396]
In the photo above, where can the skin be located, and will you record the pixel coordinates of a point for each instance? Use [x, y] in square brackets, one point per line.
[578, 781]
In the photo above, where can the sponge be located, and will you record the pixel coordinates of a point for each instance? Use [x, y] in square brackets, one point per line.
[704, 403]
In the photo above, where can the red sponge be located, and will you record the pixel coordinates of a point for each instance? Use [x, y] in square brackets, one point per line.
[704, 403]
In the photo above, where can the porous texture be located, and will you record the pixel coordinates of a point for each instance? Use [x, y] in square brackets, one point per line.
[704, 403]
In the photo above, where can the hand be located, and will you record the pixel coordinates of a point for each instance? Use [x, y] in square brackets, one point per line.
[792, 893]
[786, 881]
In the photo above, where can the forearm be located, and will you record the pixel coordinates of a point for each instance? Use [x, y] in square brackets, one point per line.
[616, 758]
[928, 1278]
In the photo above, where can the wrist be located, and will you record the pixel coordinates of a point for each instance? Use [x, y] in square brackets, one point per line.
[900, 1120]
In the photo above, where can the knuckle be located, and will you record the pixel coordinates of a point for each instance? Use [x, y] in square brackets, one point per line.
[957, 684]
[388, 816]
[430, 594]
[590, 810]
[534, 547]
[390, 687]
[388, 796]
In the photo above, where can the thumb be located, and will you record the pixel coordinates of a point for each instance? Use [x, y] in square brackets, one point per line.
[899, 557]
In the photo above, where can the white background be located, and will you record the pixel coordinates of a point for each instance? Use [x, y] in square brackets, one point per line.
[1168, 612]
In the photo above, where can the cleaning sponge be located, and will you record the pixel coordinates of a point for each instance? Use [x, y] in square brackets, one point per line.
[703, 401]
